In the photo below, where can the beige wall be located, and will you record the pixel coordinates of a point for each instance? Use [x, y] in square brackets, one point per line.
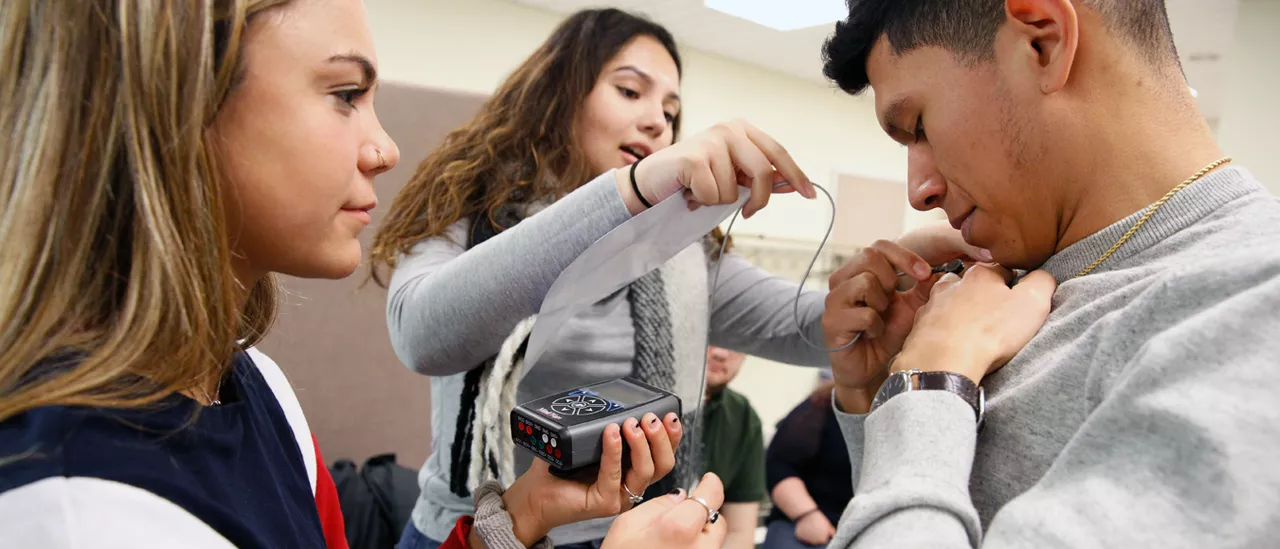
[1250, 127]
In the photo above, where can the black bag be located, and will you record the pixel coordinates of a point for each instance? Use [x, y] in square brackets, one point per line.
[376, 502]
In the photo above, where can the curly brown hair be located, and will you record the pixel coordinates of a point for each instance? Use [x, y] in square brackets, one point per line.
[520, 147]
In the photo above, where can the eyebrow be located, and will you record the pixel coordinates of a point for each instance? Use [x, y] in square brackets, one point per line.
[646, 77]
[366, 66]
[892, 114]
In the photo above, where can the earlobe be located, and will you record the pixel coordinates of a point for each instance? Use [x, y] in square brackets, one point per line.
[1053, 29]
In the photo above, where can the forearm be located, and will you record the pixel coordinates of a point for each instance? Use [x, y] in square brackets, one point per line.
[740, 540]
[447, 317]
[742, 518]
[792, 498]
[755, 312]
[506, 521]
[918, 457]
[474, 541]
[857, 400]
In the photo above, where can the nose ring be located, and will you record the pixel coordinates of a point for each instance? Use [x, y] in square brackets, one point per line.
[382, 161]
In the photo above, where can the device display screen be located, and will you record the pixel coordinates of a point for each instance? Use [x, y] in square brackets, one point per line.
[624, 393]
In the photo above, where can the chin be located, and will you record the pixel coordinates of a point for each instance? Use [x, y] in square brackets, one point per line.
[332, 266]
[1017, 259]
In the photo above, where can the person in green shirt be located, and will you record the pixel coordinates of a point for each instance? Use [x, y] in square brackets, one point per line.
[733, 447]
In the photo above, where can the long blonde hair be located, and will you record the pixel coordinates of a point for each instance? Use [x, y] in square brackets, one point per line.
[113, 251]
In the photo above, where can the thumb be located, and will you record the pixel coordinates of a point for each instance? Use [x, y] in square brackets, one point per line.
[691, 516]
[938, 243]
[1038, 286]
[653, 510]
[609, 479]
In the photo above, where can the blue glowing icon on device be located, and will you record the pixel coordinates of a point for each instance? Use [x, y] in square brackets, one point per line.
[582, 402]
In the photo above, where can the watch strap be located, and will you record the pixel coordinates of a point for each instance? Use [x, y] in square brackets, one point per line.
[953, 383]
[915, 380]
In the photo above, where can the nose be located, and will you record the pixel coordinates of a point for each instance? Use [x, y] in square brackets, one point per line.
[719, 354]
[653, 122]
[925, 185]
[380, 154]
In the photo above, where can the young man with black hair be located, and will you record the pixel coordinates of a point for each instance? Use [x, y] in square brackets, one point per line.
[1137, 402]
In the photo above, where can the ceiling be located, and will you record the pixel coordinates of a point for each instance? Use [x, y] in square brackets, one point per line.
[1203, 30]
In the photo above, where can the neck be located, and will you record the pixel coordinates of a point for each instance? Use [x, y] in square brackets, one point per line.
[205, 391]
[246, 276]
[1144, 143]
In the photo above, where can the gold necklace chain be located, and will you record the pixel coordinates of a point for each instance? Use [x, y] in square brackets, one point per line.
[1151, 211]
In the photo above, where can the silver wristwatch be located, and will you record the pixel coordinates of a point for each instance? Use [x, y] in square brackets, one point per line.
[916, 380]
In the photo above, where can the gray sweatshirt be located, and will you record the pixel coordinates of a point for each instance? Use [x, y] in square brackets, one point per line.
[1144, 413]
[450, 308]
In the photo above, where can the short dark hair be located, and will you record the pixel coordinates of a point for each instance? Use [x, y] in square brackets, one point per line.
[968, 29]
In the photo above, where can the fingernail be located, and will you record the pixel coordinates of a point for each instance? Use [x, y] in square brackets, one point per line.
[676, 494]
[810, 193]
[675, 419]
[985, 255]
[922, 269]
[654, 422]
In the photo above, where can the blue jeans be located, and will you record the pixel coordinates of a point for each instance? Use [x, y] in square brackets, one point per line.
[413, 539]
[782, 535]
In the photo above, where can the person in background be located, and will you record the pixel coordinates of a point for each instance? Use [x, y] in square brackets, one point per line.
[577, 140]
[808, 474]
[733, 443]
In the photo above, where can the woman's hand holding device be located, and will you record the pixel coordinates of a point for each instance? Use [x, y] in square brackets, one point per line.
[539, 501]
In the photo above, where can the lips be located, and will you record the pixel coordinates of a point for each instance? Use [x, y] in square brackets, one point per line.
[957, 222]
[635, 151]
[964, 224]
[361, 212]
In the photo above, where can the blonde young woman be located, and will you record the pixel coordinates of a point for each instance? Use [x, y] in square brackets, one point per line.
[159, 162]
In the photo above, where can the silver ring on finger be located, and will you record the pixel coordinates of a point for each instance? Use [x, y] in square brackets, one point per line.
[635, 500]
[712, 514]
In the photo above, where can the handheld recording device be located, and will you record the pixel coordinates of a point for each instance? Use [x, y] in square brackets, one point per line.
[566, 429]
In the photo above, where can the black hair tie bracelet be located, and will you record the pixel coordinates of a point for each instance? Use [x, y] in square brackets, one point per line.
[636, 186]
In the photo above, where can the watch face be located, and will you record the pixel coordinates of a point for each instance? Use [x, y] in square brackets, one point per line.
[892, 386]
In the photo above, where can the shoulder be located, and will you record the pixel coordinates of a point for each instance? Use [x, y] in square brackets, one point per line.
[1247, 227]
[452, 242]
[79, 512]
[108, 443]
[1239, 277]
[740, 407]
[64, 441]
[75, 477]
[284, 395]
[1230, 254]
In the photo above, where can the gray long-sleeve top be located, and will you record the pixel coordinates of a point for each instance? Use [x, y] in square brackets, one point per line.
[1143, 414]
[450, 308]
